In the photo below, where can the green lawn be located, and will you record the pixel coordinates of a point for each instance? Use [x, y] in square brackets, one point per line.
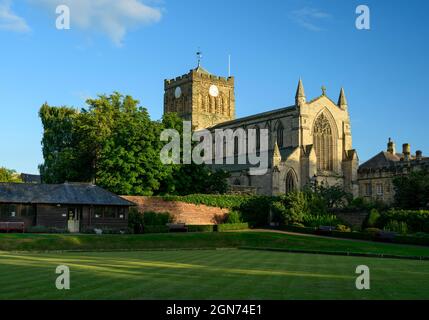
[208, 274]
[28, 242]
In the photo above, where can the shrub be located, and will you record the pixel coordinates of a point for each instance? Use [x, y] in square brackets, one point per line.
[343, 228]
[157, 218]
[256, 210]
[316, 204]
[113, 231]
[279, 211]
[212, 200]
[416, 220]
[43, 229]
[423, 241]
[352, 235]
[396, 226]
[366, 205]
[156, 229]
[200, 228]
[317, 221]
[372, 231]
[135, 221]
[290, 208]
[299, 225]
[233, 217]
[421, 235]
[232, 226]
[329, 197]
[372, 219]
[412, 190]
[298, 228]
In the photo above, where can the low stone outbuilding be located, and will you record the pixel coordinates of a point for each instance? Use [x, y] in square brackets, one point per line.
[71, 206]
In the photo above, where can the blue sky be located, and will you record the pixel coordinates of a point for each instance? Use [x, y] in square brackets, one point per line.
[131, 46]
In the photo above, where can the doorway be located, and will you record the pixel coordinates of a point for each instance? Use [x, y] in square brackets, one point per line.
[73, 220]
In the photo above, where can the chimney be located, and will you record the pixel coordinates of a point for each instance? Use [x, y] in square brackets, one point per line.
[406, 150]
[391, 148]
[419, 155]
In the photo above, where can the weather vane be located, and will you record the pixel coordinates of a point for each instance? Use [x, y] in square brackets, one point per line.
[199, 57]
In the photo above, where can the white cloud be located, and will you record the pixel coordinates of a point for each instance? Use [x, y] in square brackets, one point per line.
[112, 17]
[309, 18]
[9, 20]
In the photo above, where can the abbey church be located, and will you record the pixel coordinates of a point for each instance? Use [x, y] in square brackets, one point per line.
[309, 142]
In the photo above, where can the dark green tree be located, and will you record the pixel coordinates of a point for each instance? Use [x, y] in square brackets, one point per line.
[184, 179]
[59, 145]
[127, 157]
[115, 144]
[412, 190]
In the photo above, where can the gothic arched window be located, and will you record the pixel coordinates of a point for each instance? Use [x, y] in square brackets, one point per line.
[324, 144]
[280, 132]
[290, 182]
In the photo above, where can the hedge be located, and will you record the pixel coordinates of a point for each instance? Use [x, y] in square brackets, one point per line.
[200, 228]
[305, 230]
[416, 220]
[156, 229]
[212, 200]
[232, 227]
[423, 241]
[43, 229]
[353, 235]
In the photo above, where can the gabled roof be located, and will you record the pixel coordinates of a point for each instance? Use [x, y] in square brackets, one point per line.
[254, 117]
[68, 193]
[382, 159]
[320, 97]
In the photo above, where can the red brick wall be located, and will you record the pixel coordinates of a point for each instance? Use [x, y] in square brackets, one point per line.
[183, 212]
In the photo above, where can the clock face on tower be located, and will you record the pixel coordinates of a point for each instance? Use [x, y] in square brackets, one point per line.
[178, 92]
[213, 91]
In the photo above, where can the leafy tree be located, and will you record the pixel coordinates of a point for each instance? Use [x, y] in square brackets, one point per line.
[191, 178]
[291, 208]
[332, 196]
[7, 175]
[127, 154]
[412, 190]
[115, 144]
[59, 145]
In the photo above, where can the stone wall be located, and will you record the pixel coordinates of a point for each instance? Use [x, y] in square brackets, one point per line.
[355, 219]
[188, 213]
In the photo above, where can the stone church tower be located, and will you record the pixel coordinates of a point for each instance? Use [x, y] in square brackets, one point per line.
[200, 97]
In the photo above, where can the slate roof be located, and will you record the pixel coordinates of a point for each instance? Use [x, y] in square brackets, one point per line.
[253, 117]
[31, 178]
[68, 193]
[385, 159]
[380, 160]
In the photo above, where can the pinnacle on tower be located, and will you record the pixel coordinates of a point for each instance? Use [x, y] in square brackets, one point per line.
[300, 94]
[342, 101]
[277, 157]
